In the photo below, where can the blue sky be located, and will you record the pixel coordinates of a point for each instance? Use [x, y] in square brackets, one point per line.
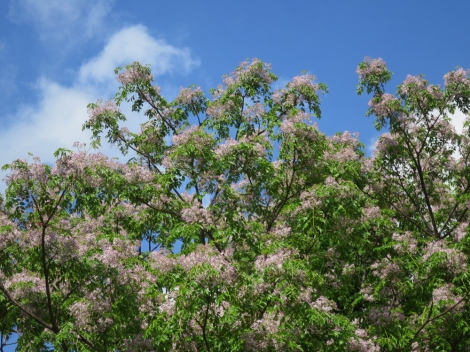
[57, 56]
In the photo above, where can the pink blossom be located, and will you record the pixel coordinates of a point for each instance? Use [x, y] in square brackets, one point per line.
[386, 143]
[384, 315]
[168, 306]
[218, 110]
[435, 91]
[258, 144]
[262, 332]
[9, 232]
[371, 212]
[303, 81]
[341, 155]
[361, 343]
[385, 268]
[299, 126]
[137, 343]
[195, 135]
[254, 112]
[279, 95]
[281, 231]
[134, 173]
[461, 231]
[412, 84]
[134, 73]
[324, 305]
[274, 260]
[226, 147]
[406, 242]
[100, 108]
[249, 69]
[25, 284]
[188, 96]
[444, 294]
[185, 136]
[368, 294]
[382, 108]
[346, 138]
[460, 76]
[371, 67]
[220, 268]
[455, 260]
[161, 261]
[197, 214]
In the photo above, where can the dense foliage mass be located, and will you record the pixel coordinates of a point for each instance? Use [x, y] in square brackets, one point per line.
[238, 226]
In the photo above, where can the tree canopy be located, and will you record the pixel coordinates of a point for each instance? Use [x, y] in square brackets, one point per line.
[237, 225]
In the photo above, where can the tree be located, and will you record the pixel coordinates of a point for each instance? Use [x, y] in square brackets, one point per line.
[289, 239]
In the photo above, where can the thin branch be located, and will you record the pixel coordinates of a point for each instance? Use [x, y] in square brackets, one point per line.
[26, 311]
[429, 319]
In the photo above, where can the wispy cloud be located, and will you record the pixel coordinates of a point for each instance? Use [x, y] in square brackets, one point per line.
[457, 119]
[136, 44]
[59, 21]
[56, 119]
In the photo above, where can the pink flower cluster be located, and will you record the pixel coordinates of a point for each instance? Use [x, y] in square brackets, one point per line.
[386, 143]
[346, 138]
[135, 73]
[362, 343]
[195, 135]
[188, 96]
[185, 136]
[382, 107]
[323, 304]
[96, 304]
[384, 315]
[257, 142]
[205, 256]
[262, 332]
[457, 77]
[161, 261]
[197, 214]
[100, 108]
[412, 84]
[275, 260]
[253, 112]
[218, 110]
[247, 69]
[455, 261]
[281, 231]
[371, 67]
[9, 232]
[25, 285]
[225, 148]
[341, 155]
[385, 268]
[289, 128]
[298, 91]
[445, 294]
[302, 82]
[406, 242]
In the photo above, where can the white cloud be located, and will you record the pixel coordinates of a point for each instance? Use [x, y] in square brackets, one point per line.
[370, 147]
[56, 119]
[457, 119]
[60, 21]
[41, 129]
[135, 44]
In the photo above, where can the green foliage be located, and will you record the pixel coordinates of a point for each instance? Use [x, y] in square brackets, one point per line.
[237, 225]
